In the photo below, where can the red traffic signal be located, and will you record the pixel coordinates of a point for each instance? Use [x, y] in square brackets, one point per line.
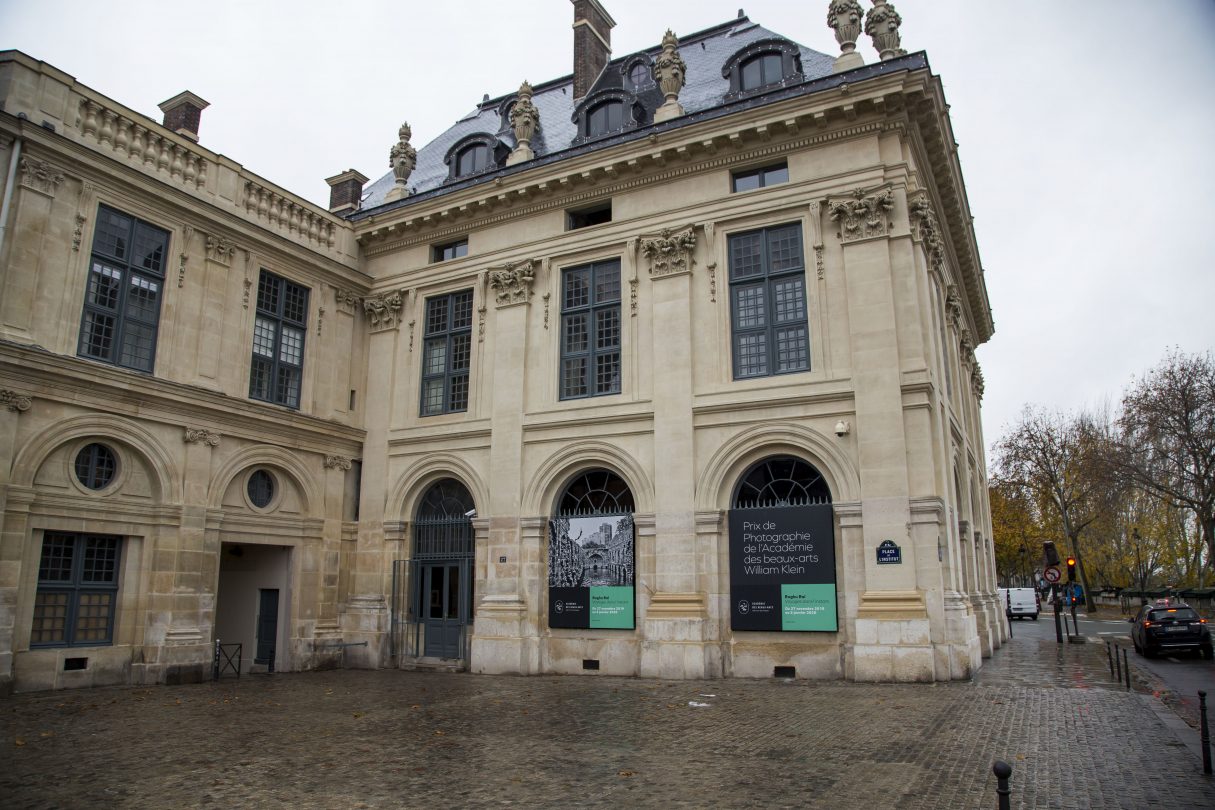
[1071, 569]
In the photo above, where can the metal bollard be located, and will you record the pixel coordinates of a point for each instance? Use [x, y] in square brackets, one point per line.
[1206, 734]
[1002, 770]
[1126, 668]
[1108, 656]
[1118, 661]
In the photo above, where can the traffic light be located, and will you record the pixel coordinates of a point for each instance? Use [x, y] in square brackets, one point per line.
[1071, 569]
[1048, 551]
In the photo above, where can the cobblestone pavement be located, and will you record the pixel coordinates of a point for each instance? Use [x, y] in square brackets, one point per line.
[400, 739]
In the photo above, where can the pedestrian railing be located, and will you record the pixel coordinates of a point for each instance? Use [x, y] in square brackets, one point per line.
[227, 660]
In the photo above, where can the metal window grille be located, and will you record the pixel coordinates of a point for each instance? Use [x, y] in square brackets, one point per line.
[95, 466]
[768, 303]
[598, 492]
[277, 369]
[781, 481]
[447, 353]
[121, 315]
[77, 590]
[590, 331]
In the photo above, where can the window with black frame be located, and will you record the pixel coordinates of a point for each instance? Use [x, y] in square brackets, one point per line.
[77, 590]
[771, 332]
[590, 330]
[448, 353]
[606, 117]
[761, 71]
[278, 341]
[126, 282]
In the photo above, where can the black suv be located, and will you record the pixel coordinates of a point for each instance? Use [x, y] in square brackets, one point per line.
[1169, 627]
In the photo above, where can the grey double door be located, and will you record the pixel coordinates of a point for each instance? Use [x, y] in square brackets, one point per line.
[445, 606]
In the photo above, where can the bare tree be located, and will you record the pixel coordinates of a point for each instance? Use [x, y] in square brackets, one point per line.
[1051, 457]
[1166, 436]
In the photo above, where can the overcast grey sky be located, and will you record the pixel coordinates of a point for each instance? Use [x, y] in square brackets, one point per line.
[1087, 131]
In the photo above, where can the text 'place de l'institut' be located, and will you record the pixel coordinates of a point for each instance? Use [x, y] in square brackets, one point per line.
[664, 368]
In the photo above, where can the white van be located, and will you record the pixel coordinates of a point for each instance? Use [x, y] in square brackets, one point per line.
[1020, 602]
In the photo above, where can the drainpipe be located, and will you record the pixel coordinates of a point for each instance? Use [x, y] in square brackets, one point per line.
[8, 189]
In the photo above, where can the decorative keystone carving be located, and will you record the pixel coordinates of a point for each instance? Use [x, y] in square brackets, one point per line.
[14, 401]
[845, 17]
[78, 234]
[513, 283]
[671, 71]
[927, 229]
[863, 217]
[976, 382]
[525, 120]
[882, 23]
[953, 305]
[671, 252]
[220, 249]
[200, 436]
[337, 462]
[40, 175]
[384, 309]
[402, 158]
[347, 301]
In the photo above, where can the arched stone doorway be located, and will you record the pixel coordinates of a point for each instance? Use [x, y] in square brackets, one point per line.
[440, 573]
[782, 549]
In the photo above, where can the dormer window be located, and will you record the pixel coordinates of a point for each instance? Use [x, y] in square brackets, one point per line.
[761, 71]
[640, 74]
[605, 118]
[471, 160]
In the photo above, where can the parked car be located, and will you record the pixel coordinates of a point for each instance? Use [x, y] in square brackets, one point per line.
[1168, 627]
[1020, 602]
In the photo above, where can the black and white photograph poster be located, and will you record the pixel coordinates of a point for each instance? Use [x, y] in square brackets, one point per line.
[590, 572]
[782, 569]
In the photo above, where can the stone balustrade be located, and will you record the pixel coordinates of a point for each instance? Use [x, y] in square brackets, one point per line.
[276, 211]
[142, 145]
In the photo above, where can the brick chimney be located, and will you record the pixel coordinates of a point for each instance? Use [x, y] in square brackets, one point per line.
[592, 43]
[182, 113]
[345, 191]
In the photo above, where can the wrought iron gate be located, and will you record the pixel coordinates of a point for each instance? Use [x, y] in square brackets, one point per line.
[439, 544]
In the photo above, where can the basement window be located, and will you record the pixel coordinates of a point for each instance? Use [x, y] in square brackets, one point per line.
[590, 664]
[596, 215]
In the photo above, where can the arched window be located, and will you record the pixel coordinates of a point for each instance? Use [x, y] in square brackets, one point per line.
[607, 117]
[639, 74]
[598, 492]
[472, 159]
[761, 71]
[261, 489]
[446, 499]
[781, 481]
[95, 466]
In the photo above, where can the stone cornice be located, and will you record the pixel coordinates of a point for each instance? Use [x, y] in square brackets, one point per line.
[54, 377]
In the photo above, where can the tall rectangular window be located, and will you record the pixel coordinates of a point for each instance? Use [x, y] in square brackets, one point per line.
[278, 341]
[447, 355]
[126, 282]
[590, 330]
[768, 302]
[77, 591]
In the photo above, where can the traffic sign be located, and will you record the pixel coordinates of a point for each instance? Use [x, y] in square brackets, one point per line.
[1052, 574]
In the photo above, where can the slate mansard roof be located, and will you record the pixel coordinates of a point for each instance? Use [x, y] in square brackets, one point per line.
[705, 52]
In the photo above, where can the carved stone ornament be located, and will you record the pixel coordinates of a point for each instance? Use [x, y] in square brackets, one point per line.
[845, 17]
[966, 348]
[524, 120]
[78, 234]
[953, 305]
[402, 158]
[513, 283]
[671, 71]
[671, 252]
[14, 401]
[337, 462]
[40, 175]
[976, 382]
[882, 23]
[927, 229]
[347, 301]
[220, 249]
[384, 309]
[862, 217]
[200, 436]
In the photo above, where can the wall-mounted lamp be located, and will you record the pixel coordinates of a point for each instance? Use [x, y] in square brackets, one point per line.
[843, 428]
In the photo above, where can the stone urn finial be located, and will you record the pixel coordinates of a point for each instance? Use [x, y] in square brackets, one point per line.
[882, 24]
[524, 119]
[671, 70]
[402, 158]
[845, 17]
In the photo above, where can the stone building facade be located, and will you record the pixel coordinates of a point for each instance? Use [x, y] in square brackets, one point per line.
[340, 438]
